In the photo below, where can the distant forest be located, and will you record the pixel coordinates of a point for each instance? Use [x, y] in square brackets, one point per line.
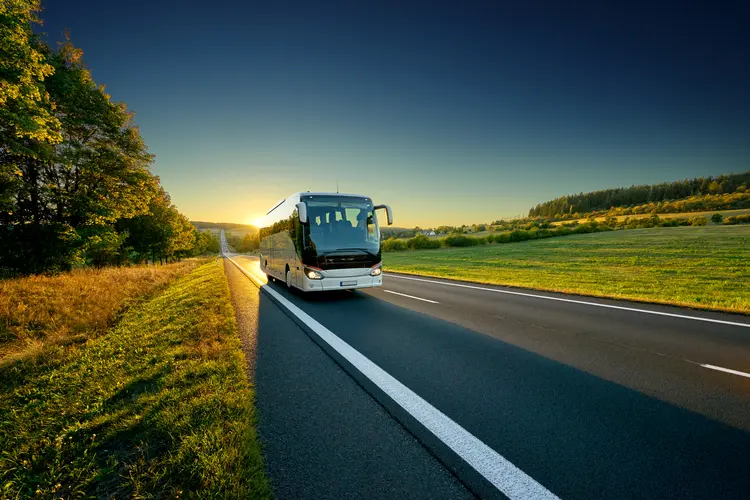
[227, 226]
[584, 203]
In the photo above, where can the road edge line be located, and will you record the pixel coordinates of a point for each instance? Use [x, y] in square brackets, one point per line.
[505, 479]
[572, 301]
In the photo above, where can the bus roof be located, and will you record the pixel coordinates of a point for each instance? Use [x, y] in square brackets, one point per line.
[317, 193]
[308, 193]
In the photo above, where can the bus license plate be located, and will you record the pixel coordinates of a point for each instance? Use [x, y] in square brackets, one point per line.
[348, 283]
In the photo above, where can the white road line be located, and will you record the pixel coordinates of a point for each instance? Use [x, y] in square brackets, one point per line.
[573, 301]
[506, 477]
[726, 370]
[412, 297]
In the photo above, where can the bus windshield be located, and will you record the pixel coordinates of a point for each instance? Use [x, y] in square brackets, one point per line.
[342, 223]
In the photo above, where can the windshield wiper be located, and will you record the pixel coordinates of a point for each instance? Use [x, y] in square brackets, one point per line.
[347, 250]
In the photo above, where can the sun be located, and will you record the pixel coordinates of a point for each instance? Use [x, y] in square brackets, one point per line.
[255, 221]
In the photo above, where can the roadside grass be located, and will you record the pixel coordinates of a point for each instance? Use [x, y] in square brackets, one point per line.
[157, 406]
[701, 267]
[39, 310]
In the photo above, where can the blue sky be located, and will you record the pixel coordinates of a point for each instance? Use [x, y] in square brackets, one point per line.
[451, 112]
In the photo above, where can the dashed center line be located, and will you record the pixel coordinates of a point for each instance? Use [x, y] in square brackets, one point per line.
[412, 297]
[574, 301]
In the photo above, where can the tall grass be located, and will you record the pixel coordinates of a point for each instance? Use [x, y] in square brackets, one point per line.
[38, 310]
[157, 406]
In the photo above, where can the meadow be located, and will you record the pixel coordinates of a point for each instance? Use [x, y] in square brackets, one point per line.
[701, 267]
[43, 309]
[156, 405]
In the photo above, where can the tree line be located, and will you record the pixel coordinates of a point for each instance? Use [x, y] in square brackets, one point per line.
[75, 180]
[585, 203]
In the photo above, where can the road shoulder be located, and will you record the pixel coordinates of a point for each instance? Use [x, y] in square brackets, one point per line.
[323, 436]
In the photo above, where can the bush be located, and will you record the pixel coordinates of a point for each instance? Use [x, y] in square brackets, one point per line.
[459, 240]
[717, 218]
[503, 237]
[393, 245]
[545, 233]
[698, 221]
[739, 219]
[520, 235]
[671, 222]
[421, 241]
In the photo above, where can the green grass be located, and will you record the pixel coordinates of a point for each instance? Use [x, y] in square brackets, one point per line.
[156, 407]
[702, 267]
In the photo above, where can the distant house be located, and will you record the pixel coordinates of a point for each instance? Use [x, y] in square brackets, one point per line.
[428, 232]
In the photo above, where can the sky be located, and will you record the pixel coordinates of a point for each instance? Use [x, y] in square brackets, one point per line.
[452, 113]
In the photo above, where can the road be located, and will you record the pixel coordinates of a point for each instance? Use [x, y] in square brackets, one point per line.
[613, 400]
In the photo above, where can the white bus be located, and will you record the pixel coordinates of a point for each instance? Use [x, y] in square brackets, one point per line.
[323, 241]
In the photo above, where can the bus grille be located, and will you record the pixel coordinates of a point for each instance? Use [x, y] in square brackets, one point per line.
[346, 261]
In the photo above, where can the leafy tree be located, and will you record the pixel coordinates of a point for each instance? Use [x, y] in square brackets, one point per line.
[26, 112]
[66, 195]
[717, 218]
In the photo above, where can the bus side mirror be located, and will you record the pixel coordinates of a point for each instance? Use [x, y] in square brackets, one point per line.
[387, 211]
[302, 211]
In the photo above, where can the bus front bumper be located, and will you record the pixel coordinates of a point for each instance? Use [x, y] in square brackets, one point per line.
[342, 283]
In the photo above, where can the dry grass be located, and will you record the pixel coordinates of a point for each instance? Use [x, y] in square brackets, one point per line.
[157, 406]
[39, 310]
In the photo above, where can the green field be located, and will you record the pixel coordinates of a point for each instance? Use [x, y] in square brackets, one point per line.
[157, 406]
[703, 267]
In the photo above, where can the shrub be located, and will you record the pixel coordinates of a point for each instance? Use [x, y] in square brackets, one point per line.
[698, 221]
[421, 241]
[459, 240]
[717, 218]
[545, 233]
[503, 237]
[520, 235]
[393, 245]
[670, 222]
[739, 219]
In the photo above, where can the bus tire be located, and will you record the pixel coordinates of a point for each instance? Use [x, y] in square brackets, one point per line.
[288, 276]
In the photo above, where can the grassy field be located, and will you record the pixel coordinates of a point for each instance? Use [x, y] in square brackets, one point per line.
[703, 267]
[157, 406]
[38, 310]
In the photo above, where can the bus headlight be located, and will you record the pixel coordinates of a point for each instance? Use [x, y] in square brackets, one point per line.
[376, 271]
[313, 274]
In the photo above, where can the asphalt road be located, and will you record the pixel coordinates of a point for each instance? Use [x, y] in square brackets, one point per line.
[589, 401]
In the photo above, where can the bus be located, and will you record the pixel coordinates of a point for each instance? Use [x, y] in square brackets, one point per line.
[323, 241]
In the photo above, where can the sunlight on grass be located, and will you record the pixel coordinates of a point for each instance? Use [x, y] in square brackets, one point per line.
[37, 310]
[705, 267]
[157, 406]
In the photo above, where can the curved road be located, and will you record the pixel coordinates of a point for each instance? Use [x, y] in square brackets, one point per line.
[589, 398]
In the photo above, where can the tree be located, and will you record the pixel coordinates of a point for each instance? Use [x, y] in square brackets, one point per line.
[26, 112]
[66, 193]
[717, 218]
